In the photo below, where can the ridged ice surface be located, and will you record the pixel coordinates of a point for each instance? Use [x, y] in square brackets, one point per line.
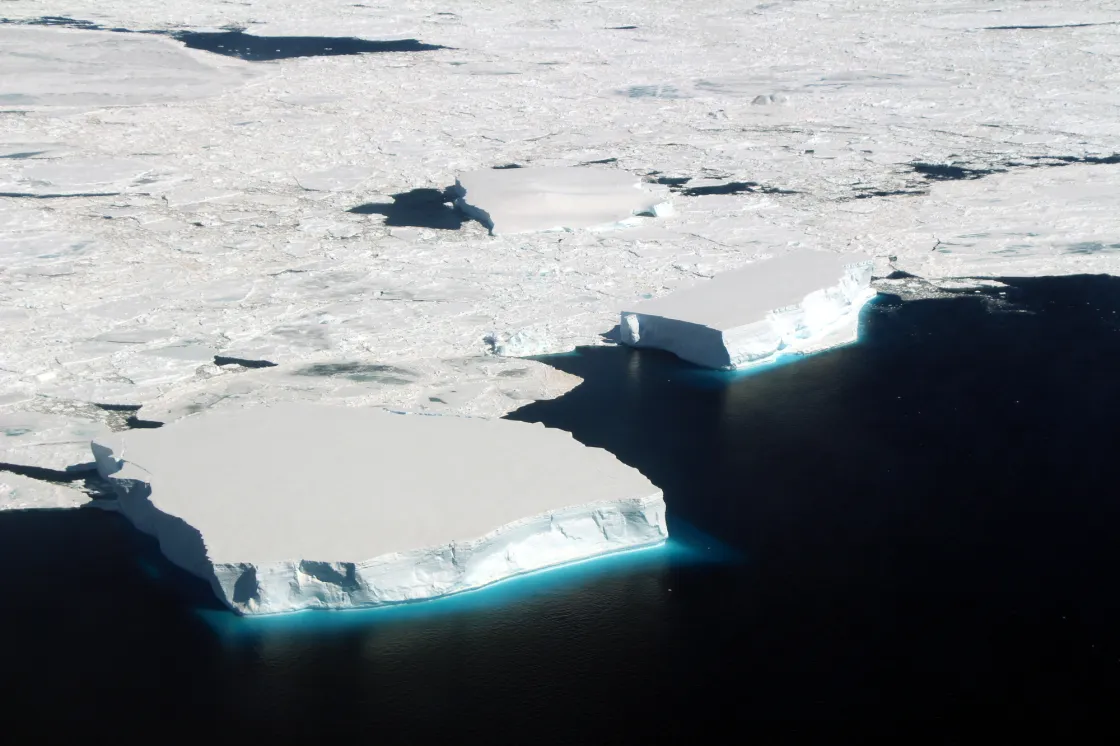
[801, 302]
[297, 506]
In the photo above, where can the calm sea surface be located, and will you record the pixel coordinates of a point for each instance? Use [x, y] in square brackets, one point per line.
[926, 523]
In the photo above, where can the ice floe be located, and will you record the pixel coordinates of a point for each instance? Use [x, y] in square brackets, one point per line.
[801, 302]
[297, 506]
[526, 200]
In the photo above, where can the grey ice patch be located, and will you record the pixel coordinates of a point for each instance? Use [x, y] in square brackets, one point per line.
[652, 91]
[1091, 247]
[360, 373]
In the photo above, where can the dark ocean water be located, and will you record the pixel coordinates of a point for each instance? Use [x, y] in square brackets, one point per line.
[924, 524]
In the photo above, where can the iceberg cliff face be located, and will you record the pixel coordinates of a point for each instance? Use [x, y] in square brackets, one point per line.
[799, 303]
[401, 524]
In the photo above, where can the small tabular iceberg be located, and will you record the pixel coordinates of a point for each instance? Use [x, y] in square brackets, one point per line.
[523, 200]
[799, 303]
[299, 506]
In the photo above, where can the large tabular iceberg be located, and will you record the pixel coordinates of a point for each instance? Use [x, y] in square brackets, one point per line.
[298, 506]
[802, 302]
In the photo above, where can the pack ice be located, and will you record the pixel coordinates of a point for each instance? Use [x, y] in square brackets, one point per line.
[524, 200]
[798, 303]
[298, 506]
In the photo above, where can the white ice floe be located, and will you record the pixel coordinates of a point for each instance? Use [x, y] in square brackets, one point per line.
[801, 302]
[298, 506]
[86, 69]
[18, 492]
[528, 200]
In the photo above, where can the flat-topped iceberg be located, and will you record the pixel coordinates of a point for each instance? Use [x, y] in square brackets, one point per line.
[298, 506]
[802, 302]
[524, 200]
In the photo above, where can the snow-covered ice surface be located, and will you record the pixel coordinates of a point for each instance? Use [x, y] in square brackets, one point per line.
[923, 130]
[18, 492]
[526, 200]
[802, 302]
[294, 506]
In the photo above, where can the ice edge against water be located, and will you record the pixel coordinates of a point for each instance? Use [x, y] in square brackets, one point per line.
[530, 544]
[823, 319]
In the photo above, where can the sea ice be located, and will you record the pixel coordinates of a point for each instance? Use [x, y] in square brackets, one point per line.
[52, 67]
[801, 302]
[526, 200]
[297, 506]
[18, 492]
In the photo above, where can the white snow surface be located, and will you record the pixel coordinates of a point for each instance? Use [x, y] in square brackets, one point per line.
[226, 229]
[18, 492]
[802, 302]
[527, 200]
[294, 506]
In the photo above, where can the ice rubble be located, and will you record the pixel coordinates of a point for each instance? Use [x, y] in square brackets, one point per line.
[798, 303]
[297, 506]
[526, 200]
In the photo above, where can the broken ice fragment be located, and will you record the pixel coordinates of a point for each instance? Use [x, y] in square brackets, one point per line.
[523, 200]
[802, 302]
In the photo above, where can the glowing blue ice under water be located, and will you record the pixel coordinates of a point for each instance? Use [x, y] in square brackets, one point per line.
[687, 546]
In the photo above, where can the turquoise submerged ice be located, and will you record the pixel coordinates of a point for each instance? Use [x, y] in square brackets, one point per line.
[802, 302]
[296, 506]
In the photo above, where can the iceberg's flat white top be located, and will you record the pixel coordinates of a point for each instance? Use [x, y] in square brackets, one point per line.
[303, 481]
[523, 200]
[742, 296]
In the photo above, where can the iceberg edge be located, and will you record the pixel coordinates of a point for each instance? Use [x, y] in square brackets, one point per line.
[824, 318]
[538, 542]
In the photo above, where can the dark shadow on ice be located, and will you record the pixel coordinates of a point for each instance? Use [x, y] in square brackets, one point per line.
[266, 48]
[236, 43]
[119, 407]
[63, 22]
[621, 28]
[507, 165]
[1067, 160]
[419, 208]
[22, 156]
[733, 187]
[29, 195]
[1040, 27]
[132, 422]
[891, 193]
[672, 181]
[359, 372]
[613, 335]
[220, 360]
[600, 162]
[136, 423]
[58, 476]
[949, 172]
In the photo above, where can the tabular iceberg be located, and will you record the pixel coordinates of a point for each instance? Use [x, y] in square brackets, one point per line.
[799, 303]
[299, 506]
[523, 200]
